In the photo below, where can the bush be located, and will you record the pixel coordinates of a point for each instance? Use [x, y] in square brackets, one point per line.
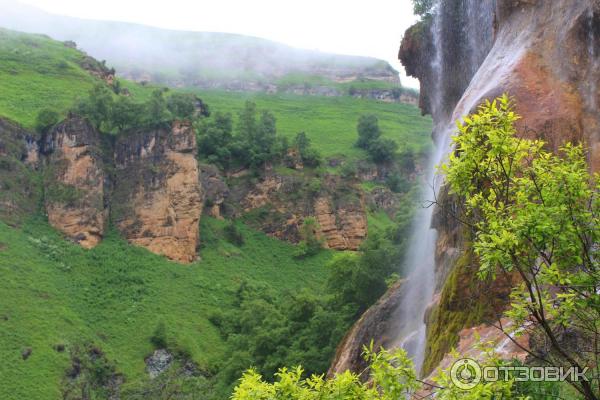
[310, 243]
[382, 150]
[310, 156]
[182, 105]
[233, 235]
[46, 119]
[368, 130]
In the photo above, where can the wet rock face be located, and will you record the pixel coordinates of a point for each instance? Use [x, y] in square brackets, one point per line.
[74, 181]
[445, 52]
[374, 325]
[157, 199]
[546, 55]
[20, 192]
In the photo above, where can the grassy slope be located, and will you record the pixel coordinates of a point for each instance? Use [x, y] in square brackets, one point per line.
[37, 73]
[115, 294]
[54, 292]
[330, 122]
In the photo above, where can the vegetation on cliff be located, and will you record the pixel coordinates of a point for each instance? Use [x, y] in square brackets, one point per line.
[534, 213]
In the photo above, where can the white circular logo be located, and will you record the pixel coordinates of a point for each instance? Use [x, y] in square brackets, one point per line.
[465, 373]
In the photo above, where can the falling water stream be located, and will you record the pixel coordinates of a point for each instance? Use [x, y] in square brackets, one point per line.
[420, 263]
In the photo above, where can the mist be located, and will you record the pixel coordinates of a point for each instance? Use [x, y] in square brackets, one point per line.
[181, 58]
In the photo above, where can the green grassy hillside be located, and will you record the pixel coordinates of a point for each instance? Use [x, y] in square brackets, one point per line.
[330, 122]
[55, 293]
[37, 72]
[55, 296]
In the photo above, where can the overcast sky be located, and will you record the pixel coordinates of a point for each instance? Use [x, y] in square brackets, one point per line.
[368, 28]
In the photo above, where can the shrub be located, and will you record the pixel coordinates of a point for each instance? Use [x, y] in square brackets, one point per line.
[46, 119]
[368, 130]
[233, 235]
[310, 243]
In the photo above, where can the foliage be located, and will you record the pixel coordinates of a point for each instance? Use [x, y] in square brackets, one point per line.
[330, 122]
[256, 138]
[382, 150]
[368, 130]
[182, 105]
[358, 281]
[119, 114]
[534, 213]
[310, 244]
[90, 376]
[391, 377]
[309, 155]
[270, 331]
[215, 139]
[46, 119]
[422, 7]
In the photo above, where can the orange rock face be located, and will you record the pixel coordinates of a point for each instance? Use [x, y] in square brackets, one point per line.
[157, 198]
[546, 56]
[344, 228]
[75, 182]
[338, 206]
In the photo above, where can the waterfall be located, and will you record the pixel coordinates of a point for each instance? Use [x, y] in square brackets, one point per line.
[462, 35]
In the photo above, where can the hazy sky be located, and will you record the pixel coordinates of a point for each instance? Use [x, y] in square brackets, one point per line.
[368, 28]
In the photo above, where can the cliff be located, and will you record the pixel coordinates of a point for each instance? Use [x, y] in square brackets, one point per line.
[147, 183]
[279, 201]
[74, 181]
[546, 55]
[157, 200]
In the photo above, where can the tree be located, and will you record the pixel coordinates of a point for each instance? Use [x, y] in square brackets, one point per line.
[256, 139]
[310, 243]
[157, 113]
[368, 130]
[182, 105]
[97, 107]
[215, 139]
[310, 157]
[382, 150]
[125, 114]
[422, 7]
[536, 214]
[46, 119]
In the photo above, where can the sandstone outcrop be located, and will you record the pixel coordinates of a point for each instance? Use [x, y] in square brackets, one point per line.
[74, 181]
[344, 227]
[157, 202]
[285, 200]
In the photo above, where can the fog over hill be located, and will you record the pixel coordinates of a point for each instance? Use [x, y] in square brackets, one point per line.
[180, 58]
